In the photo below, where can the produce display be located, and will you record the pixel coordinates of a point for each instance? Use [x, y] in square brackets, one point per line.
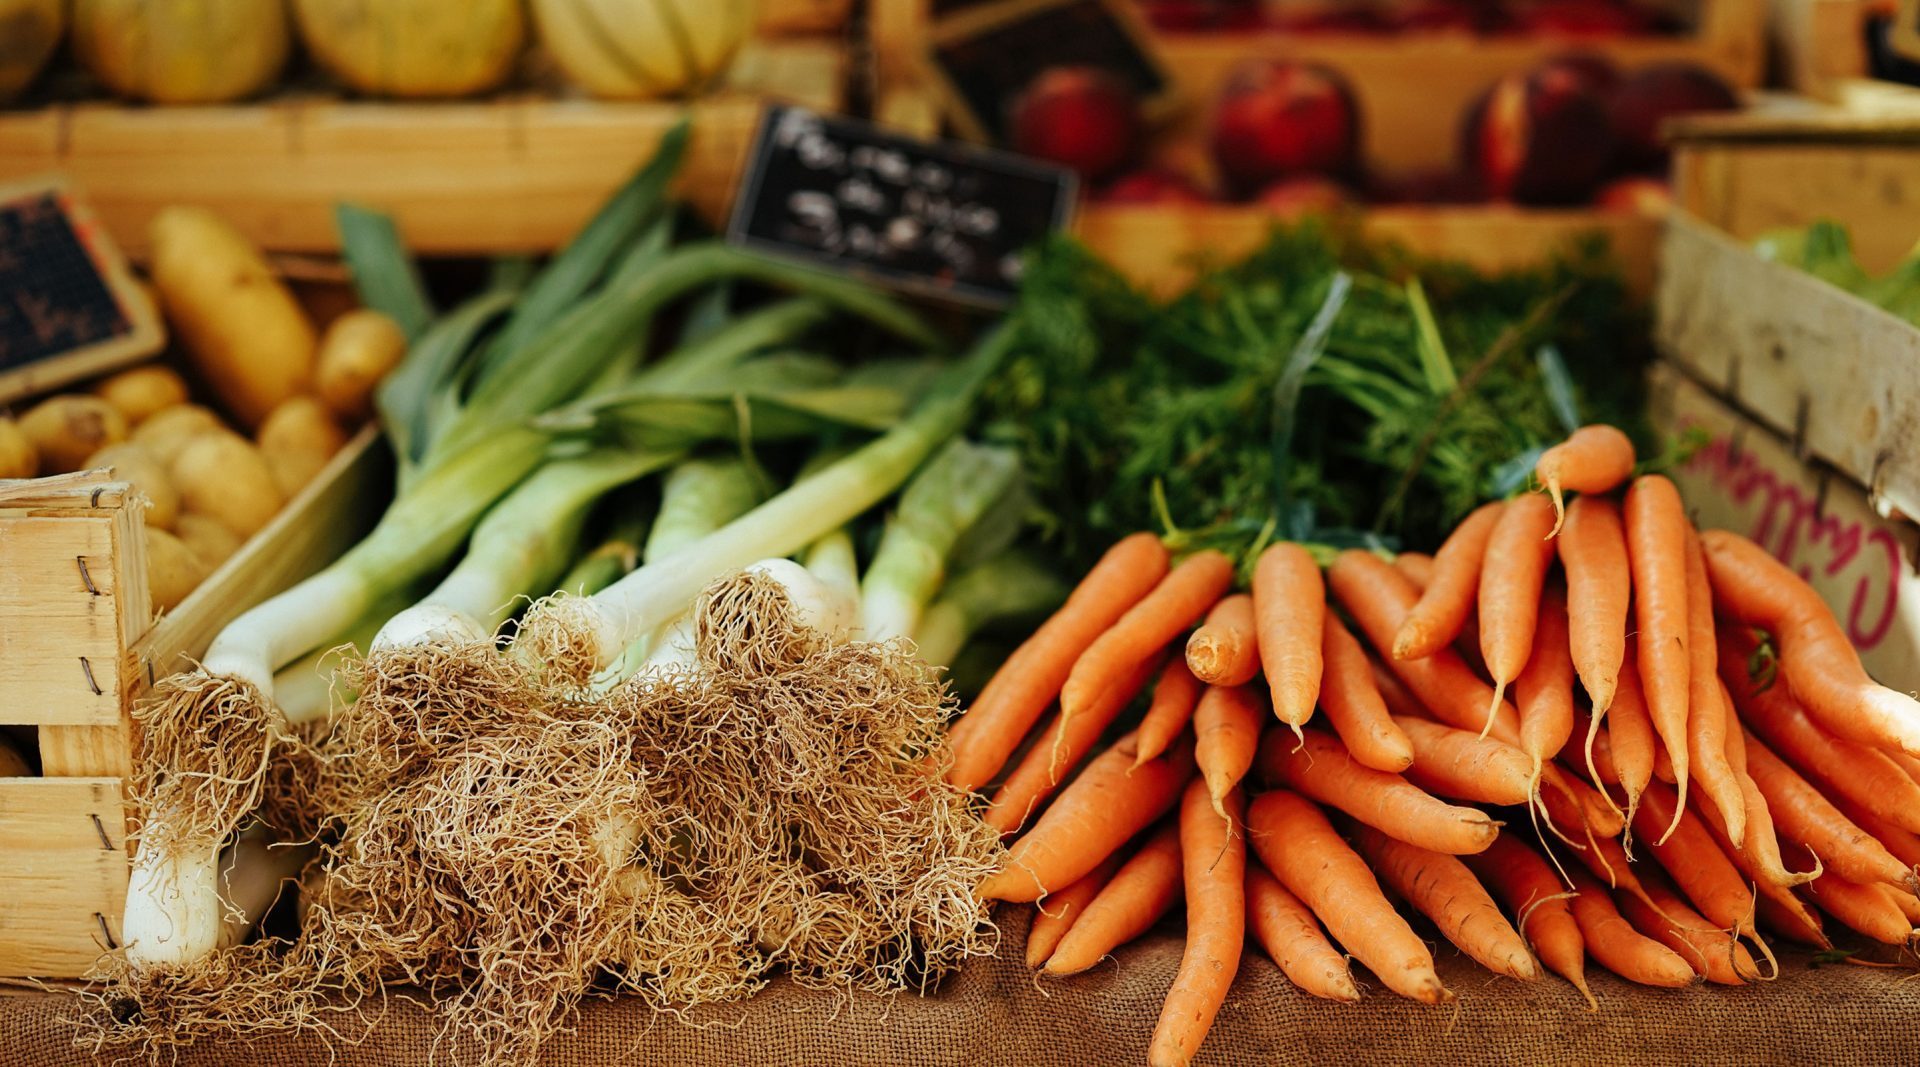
[1554, 19]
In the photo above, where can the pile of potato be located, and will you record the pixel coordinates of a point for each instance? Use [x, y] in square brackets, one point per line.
[208, 485]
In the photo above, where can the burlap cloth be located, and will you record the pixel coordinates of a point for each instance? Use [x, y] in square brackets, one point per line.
[993, 1014]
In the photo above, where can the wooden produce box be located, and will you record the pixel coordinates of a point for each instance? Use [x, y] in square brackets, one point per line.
[1750, 478]
[79, 644]
[514, 173]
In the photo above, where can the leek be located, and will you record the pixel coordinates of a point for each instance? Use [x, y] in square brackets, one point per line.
[1008, 587]
[615, 555]
[955, 489]
[699, 497]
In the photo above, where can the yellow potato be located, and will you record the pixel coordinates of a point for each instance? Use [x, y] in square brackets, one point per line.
[134, 464]
[207, 536]
[358, 350]
[141, 392]
[224, 476]
[12, 763]
[172, 569]
[297, 440]
[18, 457]
[165, 434]
[65, 430]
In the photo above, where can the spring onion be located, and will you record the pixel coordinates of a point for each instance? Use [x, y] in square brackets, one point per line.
[956, 487]
[1007, 587]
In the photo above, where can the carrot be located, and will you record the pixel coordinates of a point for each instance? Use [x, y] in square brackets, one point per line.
[1607, 859]
[1394, 693]
[1787, 915]
[1226, 731]
[1910, 764]
[1300, 847]
[1417, 566]
[1708, 949]
[1616, 945]
[1353, 704]
[1807, 817]
[1020, 691]
[1289, 599]
[1656, 549]
[1772, 883]
[1465, 766]
[1821, 665]
[1214, 855]
[1863, 909]
[1544, 690]
[1593, 459]
[1599, 759]
[1695, 862]
[1320, 768]
[1758, 854]
[1531, 891]
[1444, 890]
[1904, 844]
[1180, 599]
[1518, 555]
[1593, 551]
[1057, 914]
[1630, 732]
[1224, 650]
[1145, 888]
[1057, 751]
[1908, 904]
[1707, 714]
[1290, 934]
[1110, 802]
[1861, 774]
[1435, 620]
[1174, 697]
[1596, 811]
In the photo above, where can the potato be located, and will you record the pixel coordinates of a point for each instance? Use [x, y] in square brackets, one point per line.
[208, 537]
[13, 763]
[141, 392]
[166, 434]
[65, 430]
[224, 476]
[134, 464]
[242, 328]
[18, 457]
[357, 351]
[298, 439]
[173, 570]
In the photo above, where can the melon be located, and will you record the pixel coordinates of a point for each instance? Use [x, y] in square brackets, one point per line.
[414, 48]
[29, 32]
[642, 49]
[181, 51]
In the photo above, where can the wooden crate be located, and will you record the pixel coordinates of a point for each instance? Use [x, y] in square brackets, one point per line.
[780, 18]
[78, 645]
[1752, 479]
[516, 173]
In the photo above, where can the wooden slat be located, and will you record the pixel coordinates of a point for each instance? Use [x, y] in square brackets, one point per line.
[64, 883]
[1839, 376]
[60, 641]
[106, 750]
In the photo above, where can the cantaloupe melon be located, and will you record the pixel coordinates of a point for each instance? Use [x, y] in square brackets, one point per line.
[639, 49]
[29, 32]
[414, 48]
[181, 51]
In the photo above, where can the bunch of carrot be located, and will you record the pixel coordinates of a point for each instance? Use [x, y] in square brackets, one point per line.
[1591, 666]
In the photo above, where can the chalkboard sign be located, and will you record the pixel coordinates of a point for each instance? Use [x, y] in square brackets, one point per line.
[944, 220]
[68, 307]
[984, 56]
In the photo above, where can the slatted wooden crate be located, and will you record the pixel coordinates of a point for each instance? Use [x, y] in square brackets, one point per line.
[78, 645]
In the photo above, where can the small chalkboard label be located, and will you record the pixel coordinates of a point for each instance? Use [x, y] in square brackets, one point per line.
[984, 56]
[68, 306]
[939, 219]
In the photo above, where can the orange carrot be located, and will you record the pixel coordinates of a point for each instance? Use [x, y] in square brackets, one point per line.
[1297, 843]
[1174, 697]
[1289, 599]
[1290, 934]
[1180, 599]
[1226, 731]
[1019, 693]
[1417, 566]
[1593, 550]
[1630, 732]
[1465, 766]
[1544, 690]
[1224, 650]
[1706, 713]
[1593, 459]
[1319, 767]
[1518, 555]
[1532, 892]
[1908, 904]
[1806, 817]
[1616, 945]
[1656, 548]
[1708, 949]
[1394, 693]
[1607, 859]
[1910, 764]
[1110, 802]
[1058, 913]
[1786, 914]
[1847, 769]
[1596, 811]
[1145, 888]
[1598, 761]
[1774, 898]
[1213, 847]
[1444, 890]
[1863, 909]
[1056, 752]
[1694, 861]
[1758, 854]
[1904, 844]
[1435, 620]
[1353, 704]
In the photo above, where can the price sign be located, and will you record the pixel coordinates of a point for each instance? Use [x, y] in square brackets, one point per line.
[939, 219]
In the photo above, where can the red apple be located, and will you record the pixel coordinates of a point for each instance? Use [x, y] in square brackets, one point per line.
[1153, 186]
[1306, 195]
[1652, 95]
[1638, 194]
[1541, 137]
[1082, 117]
[1277, 119]
[1595, 19]
[1594, 70]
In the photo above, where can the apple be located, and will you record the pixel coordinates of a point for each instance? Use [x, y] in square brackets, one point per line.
[1080, 117]
[1638, 194]
[1154, 186]
[1539, 137]
[1277, 119]
[1655, 93]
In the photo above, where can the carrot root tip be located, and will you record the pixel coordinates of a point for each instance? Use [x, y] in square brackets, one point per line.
[1559, 507]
